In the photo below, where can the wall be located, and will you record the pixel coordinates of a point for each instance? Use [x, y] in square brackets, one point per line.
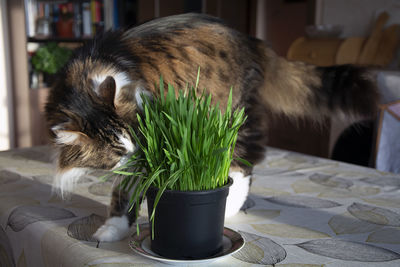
[19, 69]
[5, 89]
[357, 16]
[284, 21]
[280, 22]
[239, 14]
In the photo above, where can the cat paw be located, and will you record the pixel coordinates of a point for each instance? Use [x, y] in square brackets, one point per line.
[237, 193]
[114, 229]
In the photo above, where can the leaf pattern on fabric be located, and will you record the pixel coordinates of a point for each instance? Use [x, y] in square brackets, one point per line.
[48, 179]
[54, 244]
[82, 203]
[352, 172]
[299, 159]
[57, 248]
[358, 191]
[345, 223]
[253, 215]
[12, 189]
[287, 230]
[250, 253]
[10, 202]
[78, 202]
[303, 202]
[56, 199]
[384, 201]
[374, 214]
[306, 186]
[300, 265]
[291, 176]
[40, 153]
[382, 181]
[26, 215]
[355, 191]
[7, 176]
[6, 251]
[330, 181]
[23, 166]
[248, 204]
[96, 173]
[267, 191]
[260, 250]
[385, 236]
[84, 228]
[348, 250]
[44, 179]
[292, 162]
[120, 264]
[101, 189]
[127, 260]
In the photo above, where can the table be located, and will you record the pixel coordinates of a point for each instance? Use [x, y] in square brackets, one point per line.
[302, 211]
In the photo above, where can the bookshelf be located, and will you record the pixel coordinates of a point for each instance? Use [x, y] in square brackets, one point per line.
[73, 19]
[66, 24]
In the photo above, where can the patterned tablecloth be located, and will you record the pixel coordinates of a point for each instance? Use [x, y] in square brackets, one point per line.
[302, 211]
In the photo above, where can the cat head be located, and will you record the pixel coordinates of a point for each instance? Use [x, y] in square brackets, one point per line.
[89, 120]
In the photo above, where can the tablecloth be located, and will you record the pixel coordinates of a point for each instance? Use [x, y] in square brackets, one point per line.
[301, 211]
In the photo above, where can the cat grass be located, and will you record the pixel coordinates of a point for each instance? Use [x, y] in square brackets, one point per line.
[184, 143]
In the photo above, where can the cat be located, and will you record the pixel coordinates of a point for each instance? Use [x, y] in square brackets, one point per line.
[98, 93]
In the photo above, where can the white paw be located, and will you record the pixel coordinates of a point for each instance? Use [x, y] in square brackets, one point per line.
[237, 193]
[114, 229]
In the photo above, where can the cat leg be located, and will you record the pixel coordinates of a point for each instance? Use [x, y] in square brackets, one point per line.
[117, 226]
[238, 192]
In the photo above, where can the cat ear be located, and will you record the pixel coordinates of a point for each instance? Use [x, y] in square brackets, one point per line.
[69, 137]
[139, 94]
[107, 90]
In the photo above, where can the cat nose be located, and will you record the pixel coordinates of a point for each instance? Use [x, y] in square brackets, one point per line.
[124, 159]
[129, 155]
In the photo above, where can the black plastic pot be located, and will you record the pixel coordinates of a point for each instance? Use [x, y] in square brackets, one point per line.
[188, 225]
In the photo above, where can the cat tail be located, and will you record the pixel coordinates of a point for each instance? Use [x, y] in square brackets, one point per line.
[349, 89]
[315, 92]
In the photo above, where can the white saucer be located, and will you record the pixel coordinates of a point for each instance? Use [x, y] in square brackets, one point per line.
[232, 242]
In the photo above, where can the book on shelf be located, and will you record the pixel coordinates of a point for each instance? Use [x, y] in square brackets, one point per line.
[70, 19]
[30, 17]
[86, 19]
[77, 20]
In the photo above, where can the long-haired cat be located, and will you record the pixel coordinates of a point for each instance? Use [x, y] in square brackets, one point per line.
[99, 91]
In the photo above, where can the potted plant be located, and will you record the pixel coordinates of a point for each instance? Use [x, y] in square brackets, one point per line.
[49, 58]
[185, 150]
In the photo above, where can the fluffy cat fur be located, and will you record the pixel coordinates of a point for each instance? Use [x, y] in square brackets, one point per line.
[97, 95]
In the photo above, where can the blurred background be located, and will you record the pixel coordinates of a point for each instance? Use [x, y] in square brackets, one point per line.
[37, 37]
